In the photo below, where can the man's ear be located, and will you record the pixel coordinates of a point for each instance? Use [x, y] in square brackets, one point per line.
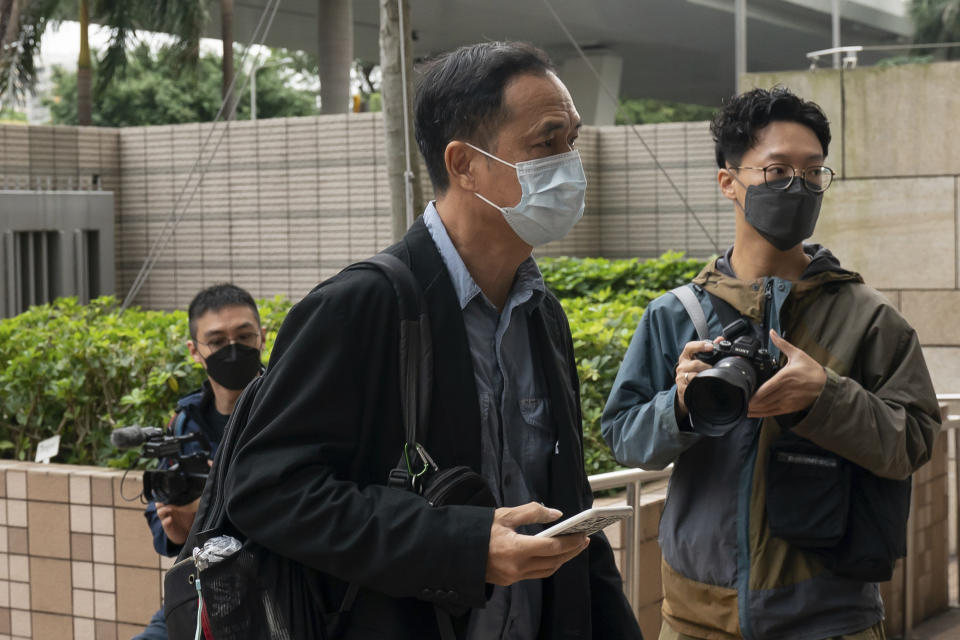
[728, 183]
[263, 338]
[458, 157]
[192, 348]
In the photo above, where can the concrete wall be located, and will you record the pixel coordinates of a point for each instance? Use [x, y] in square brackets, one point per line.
[894, 215]
[285, 203]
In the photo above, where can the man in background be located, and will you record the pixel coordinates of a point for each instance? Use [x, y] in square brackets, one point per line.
[226, 339]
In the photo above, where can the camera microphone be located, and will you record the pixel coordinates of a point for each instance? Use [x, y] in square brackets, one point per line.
[127, 437]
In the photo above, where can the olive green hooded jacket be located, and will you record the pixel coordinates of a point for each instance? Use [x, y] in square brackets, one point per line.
[724, 574]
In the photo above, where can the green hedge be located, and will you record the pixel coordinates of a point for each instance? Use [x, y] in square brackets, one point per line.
[83, 370]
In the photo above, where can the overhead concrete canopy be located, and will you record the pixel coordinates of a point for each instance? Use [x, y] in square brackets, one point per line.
[679, 50]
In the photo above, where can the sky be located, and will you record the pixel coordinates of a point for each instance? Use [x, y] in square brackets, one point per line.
[61, 44]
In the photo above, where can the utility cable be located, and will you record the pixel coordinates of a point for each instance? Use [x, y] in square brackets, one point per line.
[408, 174]
[173, 219]
[633, 127]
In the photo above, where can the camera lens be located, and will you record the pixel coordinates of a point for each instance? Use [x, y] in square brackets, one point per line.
[717, 398]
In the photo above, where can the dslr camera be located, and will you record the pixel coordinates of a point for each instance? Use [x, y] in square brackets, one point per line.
[717, 398]
[182, 482]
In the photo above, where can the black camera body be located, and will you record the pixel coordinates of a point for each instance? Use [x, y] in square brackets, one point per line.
[183, 481]
[717, 398]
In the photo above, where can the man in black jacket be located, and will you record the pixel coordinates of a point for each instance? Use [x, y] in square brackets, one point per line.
[497, 129]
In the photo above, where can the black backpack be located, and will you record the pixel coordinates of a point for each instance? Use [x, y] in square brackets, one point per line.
[257, 593]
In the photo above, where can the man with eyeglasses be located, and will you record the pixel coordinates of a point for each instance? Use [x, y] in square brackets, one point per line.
[226, 339]
[852, 393]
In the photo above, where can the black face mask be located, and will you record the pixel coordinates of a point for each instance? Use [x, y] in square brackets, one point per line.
[784, 218]
[234, 366]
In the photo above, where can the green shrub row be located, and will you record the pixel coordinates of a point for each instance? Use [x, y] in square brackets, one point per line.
[82, 370]
[600, 279]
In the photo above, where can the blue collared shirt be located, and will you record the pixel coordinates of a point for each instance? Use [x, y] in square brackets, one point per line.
[517, 433]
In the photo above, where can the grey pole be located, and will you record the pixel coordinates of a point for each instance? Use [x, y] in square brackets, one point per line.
[835, 25]
[740, 38]
[253, 93]
[253, 82]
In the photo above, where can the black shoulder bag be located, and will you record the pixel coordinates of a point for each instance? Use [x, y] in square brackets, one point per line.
[256, 593]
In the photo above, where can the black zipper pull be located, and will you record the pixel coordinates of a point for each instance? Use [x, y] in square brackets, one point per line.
[768, 310]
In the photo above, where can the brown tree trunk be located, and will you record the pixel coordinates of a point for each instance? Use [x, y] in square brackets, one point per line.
[226, 36]
[84, 100]
[9, 19]
[391, 87]
[335, 55]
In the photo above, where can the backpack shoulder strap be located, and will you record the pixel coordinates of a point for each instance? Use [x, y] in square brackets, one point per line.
[416, 385]
[691, 303]
[180, 422]
[416, 360]
[211, 515]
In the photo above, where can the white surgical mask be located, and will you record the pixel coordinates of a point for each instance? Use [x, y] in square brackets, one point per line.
[553, 197]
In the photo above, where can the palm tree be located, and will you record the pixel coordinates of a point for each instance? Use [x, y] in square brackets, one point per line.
[937, 21]
[84, 68]
[335, 30]
[184, 19]
[9, 14]
[21, 44]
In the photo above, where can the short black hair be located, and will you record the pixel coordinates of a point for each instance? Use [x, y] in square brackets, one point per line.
[460, 96]
[217, 297]
[736, 125]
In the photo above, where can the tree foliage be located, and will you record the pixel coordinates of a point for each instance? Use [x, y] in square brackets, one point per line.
[937, 21]
[650, 111]
[182, 19]
[155, 89]
[81, 370]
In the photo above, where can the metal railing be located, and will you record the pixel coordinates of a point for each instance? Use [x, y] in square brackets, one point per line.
[951, 424]
[850, 53]
[632, 480]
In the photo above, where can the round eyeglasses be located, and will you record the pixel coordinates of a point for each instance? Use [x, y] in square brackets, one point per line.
[779, 176]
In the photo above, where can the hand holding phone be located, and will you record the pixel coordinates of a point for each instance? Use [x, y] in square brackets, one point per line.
[588, 522]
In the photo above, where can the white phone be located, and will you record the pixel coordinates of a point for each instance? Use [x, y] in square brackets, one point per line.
[588, 522]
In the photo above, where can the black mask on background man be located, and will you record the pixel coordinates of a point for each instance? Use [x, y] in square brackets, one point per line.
[784, 218]
[234, 366]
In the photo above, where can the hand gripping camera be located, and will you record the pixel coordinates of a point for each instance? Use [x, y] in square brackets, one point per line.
[717, 398]
[183, 481]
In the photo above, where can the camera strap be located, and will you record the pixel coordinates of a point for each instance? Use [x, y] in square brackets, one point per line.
[724, 310]
[728, 315]
[684, 293]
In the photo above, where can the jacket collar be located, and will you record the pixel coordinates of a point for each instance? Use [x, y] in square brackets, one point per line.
[747, 296]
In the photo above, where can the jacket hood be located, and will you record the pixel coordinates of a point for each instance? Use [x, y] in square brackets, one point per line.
[747, 296]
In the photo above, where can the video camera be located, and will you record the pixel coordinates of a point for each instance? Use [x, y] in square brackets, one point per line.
[718, 398]
[183, 481]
